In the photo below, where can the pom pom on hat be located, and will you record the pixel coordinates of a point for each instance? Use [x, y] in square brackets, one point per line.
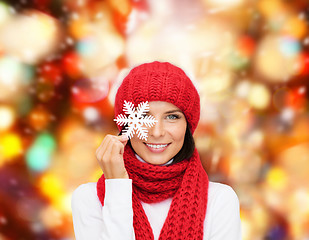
[160, 81]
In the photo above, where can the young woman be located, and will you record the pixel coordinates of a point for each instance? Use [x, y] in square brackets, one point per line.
[156, 188]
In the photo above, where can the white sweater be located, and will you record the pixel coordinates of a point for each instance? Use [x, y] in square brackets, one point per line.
[114, 221]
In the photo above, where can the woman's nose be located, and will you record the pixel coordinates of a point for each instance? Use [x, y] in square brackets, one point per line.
[157, 130]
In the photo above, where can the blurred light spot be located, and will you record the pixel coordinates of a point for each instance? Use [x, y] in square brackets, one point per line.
[51, 72]
[7, 117]
[259, 96]
[276, 178]
[245, 227]
[295, 27]
[256, 139]
[65, 203]
[91, 114]
[237, 61]
[224, 3]
[45, 91]
[47, 141]
[243, 88]
[123, 7]
[239, 56]
[156, 38]
[39, 118]
[100, 48]
[4, 13]
[246, 45]
[276, 232]
[99, 15]
[79, 28]
[287, 115]
[277, 58]
[216, 82]
[302, 90]
[69, 41]
[51, 217]
[304, 63]
[86, 47]
[290, 47]
[14, 78]
[10, 71]
[296, 99]
[299, 167]
[27, 208]
[71, 64]
[75, 15]
[271, 8]
[51, 186]
[3, 220]
[38, 157]
[90, 90]
[37, 227]
[10, 145]
[35, 46]
[13, 182]
[301, 197]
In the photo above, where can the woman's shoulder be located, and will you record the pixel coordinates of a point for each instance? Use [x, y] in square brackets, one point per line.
[223, 216]
[220, 188]
[85, 188]
[222, 194]
[85, 194]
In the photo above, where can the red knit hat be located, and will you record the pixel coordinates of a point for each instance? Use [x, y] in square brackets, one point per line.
[160, 81]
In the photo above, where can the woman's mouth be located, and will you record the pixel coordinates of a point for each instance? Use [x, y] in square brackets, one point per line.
[156, 147]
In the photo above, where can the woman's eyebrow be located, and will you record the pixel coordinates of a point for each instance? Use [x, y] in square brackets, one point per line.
[171, 111]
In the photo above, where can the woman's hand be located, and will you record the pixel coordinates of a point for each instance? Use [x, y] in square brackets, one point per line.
[110, 156]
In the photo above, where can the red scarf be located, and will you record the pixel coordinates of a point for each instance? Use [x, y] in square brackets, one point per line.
[186, 182]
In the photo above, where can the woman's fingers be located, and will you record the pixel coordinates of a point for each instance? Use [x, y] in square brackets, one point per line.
[119, 170]
[117, 152]
[105, 141]
[102, 148]
[110, 156]
[124, 139]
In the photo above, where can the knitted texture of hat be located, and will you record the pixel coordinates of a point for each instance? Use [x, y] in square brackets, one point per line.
[160, 81]
[186, 182]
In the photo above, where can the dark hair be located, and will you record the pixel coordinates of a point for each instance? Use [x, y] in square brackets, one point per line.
[187, 148]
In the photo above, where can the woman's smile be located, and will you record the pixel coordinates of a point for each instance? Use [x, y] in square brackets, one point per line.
[157, 147]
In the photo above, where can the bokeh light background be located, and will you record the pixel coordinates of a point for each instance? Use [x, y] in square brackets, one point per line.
[61, 62]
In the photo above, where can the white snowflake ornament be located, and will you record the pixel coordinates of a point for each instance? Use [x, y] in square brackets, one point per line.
[136, 119]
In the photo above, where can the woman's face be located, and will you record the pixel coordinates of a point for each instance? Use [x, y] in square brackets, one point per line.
[165, 138]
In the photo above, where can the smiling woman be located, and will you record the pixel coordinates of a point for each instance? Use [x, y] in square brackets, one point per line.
[155, 188]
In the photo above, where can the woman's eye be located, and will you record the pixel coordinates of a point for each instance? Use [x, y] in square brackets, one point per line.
[173, 116]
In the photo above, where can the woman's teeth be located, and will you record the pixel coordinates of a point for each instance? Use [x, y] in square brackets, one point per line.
[156, 146]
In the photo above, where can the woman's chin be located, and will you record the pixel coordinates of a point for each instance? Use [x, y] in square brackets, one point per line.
[155, 161]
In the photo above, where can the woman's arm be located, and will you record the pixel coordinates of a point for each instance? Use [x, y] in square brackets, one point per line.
[113, 221]
[224, 220]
